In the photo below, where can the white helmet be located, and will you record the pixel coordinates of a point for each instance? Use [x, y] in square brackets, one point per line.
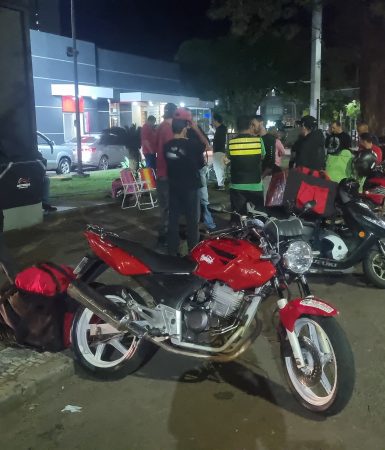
[333, 247]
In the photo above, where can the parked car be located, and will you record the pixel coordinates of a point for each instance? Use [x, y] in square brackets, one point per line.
[59, 157]
[102, 150]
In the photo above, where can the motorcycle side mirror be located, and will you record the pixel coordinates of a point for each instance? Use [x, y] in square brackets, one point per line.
[308, 206]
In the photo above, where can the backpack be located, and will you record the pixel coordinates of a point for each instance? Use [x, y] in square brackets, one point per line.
[36, 310]
[304, 185]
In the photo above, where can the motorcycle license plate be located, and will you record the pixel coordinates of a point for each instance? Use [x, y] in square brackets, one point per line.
[81, 265]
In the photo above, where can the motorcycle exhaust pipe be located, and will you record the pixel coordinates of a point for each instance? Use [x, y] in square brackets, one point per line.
[110, 312]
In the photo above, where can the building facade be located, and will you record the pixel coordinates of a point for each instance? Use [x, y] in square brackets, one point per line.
[116, 89]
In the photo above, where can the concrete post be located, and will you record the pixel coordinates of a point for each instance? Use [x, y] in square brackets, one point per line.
[316, 37]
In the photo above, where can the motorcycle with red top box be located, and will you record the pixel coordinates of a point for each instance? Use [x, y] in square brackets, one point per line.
[206, 306]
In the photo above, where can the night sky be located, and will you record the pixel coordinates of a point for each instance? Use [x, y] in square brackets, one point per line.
[153, 28]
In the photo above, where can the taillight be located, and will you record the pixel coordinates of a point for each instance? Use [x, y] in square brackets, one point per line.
[89, 149]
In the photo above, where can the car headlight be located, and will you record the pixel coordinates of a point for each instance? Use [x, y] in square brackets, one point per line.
[298, 257]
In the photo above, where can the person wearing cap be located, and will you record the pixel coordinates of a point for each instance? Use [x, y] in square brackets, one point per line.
[183, 158]
[164, 134]
[311, 151]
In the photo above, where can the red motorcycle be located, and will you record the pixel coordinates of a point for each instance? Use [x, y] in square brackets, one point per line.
[374, 190]
[206, 306]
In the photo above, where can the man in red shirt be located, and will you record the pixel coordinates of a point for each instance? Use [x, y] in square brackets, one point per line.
[366, 143]
[148, 135]
[164, 134]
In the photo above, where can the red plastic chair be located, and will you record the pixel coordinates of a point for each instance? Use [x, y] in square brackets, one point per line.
[130, 187]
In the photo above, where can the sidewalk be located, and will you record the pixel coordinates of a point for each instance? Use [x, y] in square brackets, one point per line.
[23, 372]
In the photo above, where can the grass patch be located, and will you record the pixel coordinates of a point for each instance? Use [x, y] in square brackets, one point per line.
[98, 182]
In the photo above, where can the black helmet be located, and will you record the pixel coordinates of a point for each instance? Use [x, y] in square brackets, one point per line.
[364, 163]
[169, 110]
[309, 122]
[348, 190]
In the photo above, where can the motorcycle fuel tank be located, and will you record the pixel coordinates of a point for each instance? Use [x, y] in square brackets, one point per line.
[235, 262]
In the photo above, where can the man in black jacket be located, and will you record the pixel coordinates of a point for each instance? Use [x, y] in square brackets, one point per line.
[311, 151]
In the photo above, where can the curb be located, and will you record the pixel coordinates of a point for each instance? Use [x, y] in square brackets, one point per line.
[14, 393]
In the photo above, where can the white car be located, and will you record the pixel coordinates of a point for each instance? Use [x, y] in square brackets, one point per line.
[102, 150]
[59, 157]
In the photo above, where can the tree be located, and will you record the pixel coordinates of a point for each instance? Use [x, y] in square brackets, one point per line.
[236, 72]
[358, 32]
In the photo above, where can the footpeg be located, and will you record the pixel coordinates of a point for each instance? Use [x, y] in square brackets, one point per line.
[137, 328]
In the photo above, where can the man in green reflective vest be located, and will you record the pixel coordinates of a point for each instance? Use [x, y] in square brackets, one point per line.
[246, 152]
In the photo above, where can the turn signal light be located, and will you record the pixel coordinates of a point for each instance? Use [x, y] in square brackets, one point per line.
[362, 234]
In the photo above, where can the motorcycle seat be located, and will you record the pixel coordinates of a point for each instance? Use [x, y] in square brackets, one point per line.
[156, 262]
[286, 228]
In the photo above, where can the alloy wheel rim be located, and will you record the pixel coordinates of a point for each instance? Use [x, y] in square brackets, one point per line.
[315, 393]
[104, 164]
[65, 167]
[93, 352]
[378, 265]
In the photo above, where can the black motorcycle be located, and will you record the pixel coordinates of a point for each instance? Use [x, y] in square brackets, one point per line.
[357, 236]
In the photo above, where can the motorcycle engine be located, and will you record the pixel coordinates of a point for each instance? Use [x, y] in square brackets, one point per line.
[211, 309]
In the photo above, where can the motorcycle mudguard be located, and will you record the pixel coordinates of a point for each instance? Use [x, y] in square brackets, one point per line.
[305, 306]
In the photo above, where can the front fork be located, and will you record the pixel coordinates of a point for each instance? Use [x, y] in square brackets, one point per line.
[291, 335]
[305, 305]
[293, 339]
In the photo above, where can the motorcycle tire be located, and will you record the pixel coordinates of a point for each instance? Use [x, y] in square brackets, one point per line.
[374, 268]
[113, 358]
[340, 357]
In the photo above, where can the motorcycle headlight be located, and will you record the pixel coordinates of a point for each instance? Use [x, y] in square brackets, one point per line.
[298, 257]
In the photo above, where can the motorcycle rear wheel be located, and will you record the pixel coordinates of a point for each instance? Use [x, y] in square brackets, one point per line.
[112, 356]
[325, 385]
[374, 268]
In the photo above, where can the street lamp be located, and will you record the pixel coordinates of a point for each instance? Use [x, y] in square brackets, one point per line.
[76, 84]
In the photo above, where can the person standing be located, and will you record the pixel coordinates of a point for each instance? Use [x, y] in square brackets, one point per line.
[269, 144]
[338, 139]
[311, 150]
[134, 144]
[183, 156]
[219, 150]
[366, 143]
[279, 148]
[246, 153]
[197, 135]
[163, 135]
[148, 136]
[363, 127]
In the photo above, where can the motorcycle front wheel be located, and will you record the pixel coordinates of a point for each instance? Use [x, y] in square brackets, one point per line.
[109, 353]
[374, 268]
[325, 385]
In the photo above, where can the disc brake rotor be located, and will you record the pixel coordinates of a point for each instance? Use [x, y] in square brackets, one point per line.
[310, 375]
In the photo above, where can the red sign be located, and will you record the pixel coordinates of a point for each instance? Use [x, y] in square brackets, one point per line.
[68, 104]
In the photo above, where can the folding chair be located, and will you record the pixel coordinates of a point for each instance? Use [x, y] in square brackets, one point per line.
[147, 185]
[130, 187]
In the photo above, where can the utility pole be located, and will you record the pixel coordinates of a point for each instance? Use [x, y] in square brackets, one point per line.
[76, 84]
[316, 42]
